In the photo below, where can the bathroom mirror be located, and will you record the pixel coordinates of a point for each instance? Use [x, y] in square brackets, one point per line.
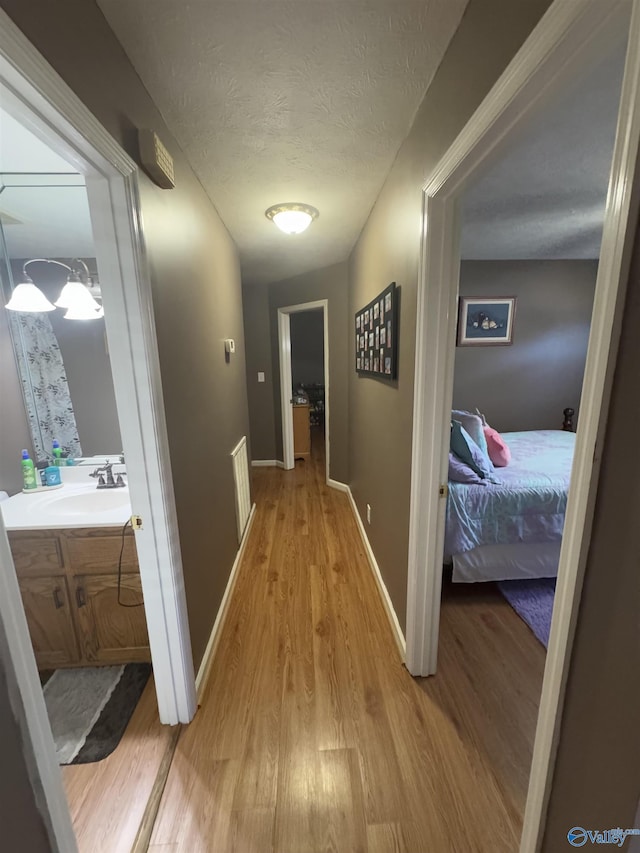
[55, 372]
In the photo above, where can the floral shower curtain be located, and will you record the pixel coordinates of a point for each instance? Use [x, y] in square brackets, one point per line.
[45, 386]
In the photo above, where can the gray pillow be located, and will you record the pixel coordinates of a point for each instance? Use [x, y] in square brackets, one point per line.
[468, 451]
[474, 426]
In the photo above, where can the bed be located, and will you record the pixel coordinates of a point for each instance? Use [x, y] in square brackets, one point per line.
[512, 530]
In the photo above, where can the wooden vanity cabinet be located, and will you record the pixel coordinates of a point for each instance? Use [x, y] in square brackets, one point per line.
[51, 626]
[110, 631]
[69, 584]
[301, 431]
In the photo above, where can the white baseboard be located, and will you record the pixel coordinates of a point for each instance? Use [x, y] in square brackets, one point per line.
[209, 652]
[267, 463]
[336, 484]
[375, 568]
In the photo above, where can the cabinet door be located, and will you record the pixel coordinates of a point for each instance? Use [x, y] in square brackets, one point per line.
[110, 632]
[46, 605]
[301, 431]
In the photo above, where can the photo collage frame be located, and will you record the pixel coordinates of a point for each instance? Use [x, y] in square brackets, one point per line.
[377, 335]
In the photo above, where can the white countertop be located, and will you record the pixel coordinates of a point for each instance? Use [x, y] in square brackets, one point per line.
[77, 504]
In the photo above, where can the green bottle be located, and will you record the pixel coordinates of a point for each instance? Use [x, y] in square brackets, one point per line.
[57, 452]
[29, 478]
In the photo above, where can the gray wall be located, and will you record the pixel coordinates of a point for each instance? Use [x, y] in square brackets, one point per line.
[490, 33]
[330, 283]
[596, 783]
[307, 348]
[528, 384]
[23, 828]
[197, 298]
[261, 329]
[14, 427]
[257, 333]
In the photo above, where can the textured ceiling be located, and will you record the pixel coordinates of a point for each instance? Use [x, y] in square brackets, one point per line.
[50, 208]
[283, 100]
[545, 196]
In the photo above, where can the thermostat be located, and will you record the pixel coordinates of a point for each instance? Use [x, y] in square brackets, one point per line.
[229, 345]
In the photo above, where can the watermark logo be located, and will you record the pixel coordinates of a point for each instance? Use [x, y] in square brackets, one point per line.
[578, 836]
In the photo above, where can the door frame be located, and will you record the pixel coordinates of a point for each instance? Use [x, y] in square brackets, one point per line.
[35, 93]
[568, 35]
[286, 381]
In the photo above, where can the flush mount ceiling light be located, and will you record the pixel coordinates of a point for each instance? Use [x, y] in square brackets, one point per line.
[292, 217]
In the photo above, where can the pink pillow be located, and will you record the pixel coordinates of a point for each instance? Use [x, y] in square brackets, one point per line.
[497, 449]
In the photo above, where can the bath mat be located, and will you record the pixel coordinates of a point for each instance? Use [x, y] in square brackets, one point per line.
[89, 708]
[533, 601]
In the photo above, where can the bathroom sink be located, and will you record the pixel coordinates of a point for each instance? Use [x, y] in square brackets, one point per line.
[99, 500]
[74, 505]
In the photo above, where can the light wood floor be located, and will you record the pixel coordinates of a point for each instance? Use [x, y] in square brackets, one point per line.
[313, 737]
[107, 798]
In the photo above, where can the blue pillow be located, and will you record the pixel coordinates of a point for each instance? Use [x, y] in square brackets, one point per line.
[474, 425]
[468, 452]
[461, 473]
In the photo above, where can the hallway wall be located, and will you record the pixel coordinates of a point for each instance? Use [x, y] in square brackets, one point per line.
[381, 413]
[195, 276]
[257, 335]
[329, 283]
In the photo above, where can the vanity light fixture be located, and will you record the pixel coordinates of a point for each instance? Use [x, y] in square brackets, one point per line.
[292, 217]
[27, 297]
[75, 296]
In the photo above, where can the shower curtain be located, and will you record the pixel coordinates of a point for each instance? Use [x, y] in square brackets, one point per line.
[44, 384]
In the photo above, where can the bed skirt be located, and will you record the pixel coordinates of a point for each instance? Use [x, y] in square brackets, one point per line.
[507, 562]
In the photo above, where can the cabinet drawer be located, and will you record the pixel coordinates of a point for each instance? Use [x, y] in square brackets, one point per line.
[98, 552]
[36, 555]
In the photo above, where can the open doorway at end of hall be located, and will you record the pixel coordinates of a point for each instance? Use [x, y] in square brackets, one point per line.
[305, 399]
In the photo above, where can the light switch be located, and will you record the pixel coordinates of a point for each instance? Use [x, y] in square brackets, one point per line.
[260, 376]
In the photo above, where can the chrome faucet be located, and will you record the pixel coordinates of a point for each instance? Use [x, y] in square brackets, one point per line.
[109, 482]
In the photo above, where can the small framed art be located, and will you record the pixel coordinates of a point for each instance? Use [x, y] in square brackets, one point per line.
[377, 335]
[486, 321]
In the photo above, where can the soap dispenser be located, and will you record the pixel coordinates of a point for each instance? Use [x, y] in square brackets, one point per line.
[57, 452]
[29, 478]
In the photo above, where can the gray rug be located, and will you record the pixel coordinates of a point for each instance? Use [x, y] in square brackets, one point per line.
[89, 708]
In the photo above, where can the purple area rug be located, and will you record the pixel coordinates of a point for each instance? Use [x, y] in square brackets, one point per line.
[533, 601]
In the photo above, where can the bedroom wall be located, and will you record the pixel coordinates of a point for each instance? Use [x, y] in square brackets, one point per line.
[197, 298]
[528, 384]
[380, 412]
[307, 348]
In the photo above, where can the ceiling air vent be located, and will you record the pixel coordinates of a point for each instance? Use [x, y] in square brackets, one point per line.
[155, 159]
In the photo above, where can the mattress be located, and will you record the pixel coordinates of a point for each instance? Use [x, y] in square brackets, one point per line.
[526, 507]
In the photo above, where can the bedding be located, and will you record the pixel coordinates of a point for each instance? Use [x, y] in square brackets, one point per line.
[526, 507]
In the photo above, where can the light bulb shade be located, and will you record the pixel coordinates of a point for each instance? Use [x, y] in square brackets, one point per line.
[28, 298]
[82, 312]
[292, 217]
[75, 295]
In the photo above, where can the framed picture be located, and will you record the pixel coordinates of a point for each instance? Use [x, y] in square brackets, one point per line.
[376, 332]
[486, 321]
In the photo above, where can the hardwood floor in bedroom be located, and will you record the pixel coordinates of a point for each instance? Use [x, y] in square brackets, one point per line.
[313, 737]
